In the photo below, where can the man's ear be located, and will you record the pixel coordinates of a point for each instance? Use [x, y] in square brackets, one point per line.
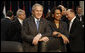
[18, 15]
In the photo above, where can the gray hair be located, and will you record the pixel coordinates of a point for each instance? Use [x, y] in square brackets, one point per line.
[33, 7]
[20, 11]
[71, 10]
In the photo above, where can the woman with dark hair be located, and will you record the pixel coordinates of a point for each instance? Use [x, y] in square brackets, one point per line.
[59, 37]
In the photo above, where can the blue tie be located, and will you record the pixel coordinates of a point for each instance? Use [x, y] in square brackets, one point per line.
[37, 24]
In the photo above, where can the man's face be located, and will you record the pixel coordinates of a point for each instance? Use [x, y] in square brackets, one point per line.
[57, 14]
[79, 10]
[69, 15]
[22, 16]
[37, 12]
[63, 11]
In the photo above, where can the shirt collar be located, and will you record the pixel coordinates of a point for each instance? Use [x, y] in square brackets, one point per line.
[36, 19]
[79, 14]
[8, 17]
[20, 21]
[73, 19]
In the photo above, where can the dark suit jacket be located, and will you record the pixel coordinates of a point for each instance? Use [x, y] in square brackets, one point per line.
[64, 18]
[16, 30]
[62, 28]
[5, 28]
[76, 40]
[82, 18]
[57, 43]
[11, 46]
[29, 30]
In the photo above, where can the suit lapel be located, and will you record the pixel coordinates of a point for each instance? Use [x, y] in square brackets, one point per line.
[73, 25]
[33, 25]
[54, 26]
[40, 25]
[18, 24]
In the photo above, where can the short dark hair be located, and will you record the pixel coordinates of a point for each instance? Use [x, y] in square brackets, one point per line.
[9, 13]
[57, 8]
[77, 7]
[71, 10]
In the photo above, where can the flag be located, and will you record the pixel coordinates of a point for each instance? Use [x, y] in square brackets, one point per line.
[48, 10]
[18, 4]
[23, 6]
[43, 15]
[67, 4]
[4, 10]
[10, 6]
[73, 5]
[49, 6]
[30, 9]
[54, 3]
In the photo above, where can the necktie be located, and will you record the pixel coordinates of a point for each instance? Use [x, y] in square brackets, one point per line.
[37, 24]
[80, 18]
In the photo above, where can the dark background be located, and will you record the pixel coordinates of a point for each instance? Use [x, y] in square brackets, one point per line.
[28, 4]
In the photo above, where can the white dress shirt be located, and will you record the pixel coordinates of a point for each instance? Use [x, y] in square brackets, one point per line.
[36, 25]
[21, 21]
[71, 22]
[36, 20]
[80, 17]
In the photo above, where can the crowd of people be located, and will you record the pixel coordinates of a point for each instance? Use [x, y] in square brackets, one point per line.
[62, 30]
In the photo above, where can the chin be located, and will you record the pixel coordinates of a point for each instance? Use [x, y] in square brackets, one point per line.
[39, 17]
[57, 19]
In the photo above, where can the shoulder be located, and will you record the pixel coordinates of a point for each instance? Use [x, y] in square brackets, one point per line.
[77, 22]
[44, 20]
[64, 23]
[15, 21]
[28, 20]
[6, 20]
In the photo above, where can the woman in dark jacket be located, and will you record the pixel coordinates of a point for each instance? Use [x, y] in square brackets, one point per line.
[59, 37]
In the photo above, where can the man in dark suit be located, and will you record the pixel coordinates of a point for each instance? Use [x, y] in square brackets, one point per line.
[75, 29]
[6, 25]
[79, 15]
[35, 29]
[17, 25]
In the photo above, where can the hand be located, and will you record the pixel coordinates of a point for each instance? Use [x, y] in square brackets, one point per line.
[55, 32]
[65, 39]
[36, 39]
[45, 39]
